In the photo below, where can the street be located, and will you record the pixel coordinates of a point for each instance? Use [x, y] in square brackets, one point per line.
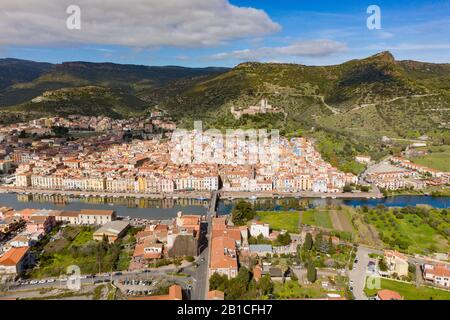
[201, 286]
[358, 273]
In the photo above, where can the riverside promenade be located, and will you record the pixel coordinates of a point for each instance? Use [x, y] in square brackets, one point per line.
[182, 194]
[196, 194]
[303, 194]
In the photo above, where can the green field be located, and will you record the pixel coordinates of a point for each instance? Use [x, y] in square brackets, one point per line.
[410, 232]
[410, 291]
[280, 220]
[293, 290]
[77, 247]
[83, 237]
[438, 158]
[317, 217]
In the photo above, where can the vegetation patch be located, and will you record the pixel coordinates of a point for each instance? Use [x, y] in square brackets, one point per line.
[280, 220]
[409, 291]
[317, 217]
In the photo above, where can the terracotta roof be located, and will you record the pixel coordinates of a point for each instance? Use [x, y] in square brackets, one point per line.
[13, 256]
[25, 213]
[216, 295]
[440, 270]
[219, 256]
[233, 233]
[257, 272]
[388, 295]
[96, 212]
[70, 214]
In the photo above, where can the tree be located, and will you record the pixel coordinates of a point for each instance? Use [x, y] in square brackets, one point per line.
[238, 286]
[60, 131]
[318, 243]
[218, 282]
[382, 265]
[307, 245]
[330, 246]
[311, 273]
[347, 188]
[265, 285]
[284, 239]
[242, 212]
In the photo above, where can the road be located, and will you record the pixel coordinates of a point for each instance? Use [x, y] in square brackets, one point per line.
[201, 285]
[359, 272]
[185, 282]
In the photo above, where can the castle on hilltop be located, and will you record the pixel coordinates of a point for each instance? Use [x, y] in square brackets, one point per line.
[263, 107]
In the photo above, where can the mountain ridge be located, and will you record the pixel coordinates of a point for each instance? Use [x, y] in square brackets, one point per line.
[347, 107]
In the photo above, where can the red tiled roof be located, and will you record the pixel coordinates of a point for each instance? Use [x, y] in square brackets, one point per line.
[388, 295]
[97, 212]
[13, 256]
[216, 295]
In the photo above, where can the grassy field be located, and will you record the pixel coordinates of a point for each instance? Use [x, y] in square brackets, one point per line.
[317, 217]
[438, 158]
[83, 237]
[408, 232]
[293, 290]
[77, 247]
[280, 220]
[410, 291]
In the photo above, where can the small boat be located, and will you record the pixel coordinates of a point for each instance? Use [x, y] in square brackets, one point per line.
[253, 197]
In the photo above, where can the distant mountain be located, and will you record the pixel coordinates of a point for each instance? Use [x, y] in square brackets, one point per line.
[348, 108]
[14, 71]
[21, 81]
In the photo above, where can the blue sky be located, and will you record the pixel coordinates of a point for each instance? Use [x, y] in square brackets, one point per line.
[224, 33]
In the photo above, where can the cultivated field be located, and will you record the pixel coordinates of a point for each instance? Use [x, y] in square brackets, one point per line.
[281, 220]
[341, 220]
[438, 158]
[318, 217]
[410, 291]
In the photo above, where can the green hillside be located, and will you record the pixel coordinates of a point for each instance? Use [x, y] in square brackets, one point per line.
[348, 108]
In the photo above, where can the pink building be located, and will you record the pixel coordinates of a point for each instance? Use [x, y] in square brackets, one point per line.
[41, 224]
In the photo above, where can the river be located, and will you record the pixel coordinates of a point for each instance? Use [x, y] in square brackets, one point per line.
[131, 207]
[225, 206]
[168, 208]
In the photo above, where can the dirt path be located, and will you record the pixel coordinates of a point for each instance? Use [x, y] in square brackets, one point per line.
[340, 221]
[300, 218]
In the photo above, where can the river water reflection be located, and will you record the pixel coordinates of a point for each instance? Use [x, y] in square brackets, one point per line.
[132, 207]
[168, 208]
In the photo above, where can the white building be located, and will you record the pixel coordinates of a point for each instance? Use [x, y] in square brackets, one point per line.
[439, 274]
[258, 228]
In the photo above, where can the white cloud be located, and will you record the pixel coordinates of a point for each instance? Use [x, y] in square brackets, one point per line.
[309, 48]
[138, 23]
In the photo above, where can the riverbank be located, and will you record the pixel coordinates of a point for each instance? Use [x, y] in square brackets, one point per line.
[197, 194]
[304, 194]
[432, 191]
[184, 194]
